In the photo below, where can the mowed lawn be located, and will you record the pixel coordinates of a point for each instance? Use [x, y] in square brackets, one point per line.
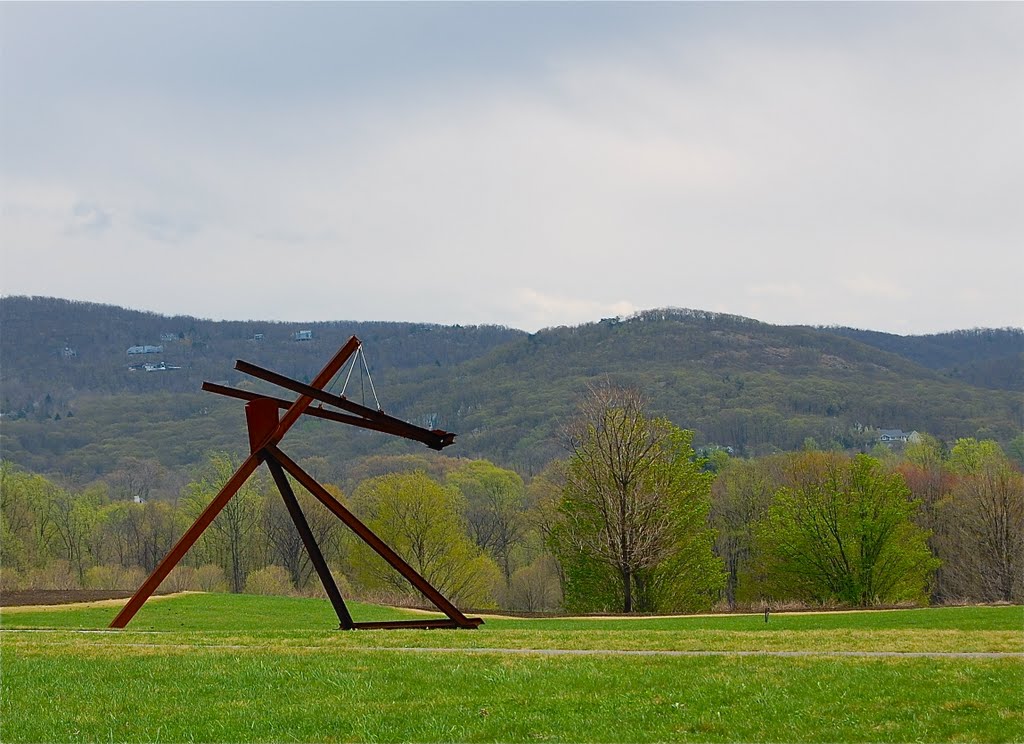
[211, 667]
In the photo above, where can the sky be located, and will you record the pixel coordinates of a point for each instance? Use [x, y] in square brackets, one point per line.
[524, 164]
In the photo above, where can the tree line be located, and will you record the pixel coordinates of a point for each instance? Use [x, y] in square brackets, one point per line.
[632, 519]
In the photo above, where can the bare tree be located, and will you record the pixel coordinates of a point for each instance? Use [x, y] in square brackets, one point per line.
[633, 498]
[228, 539]
[988, 526]
[136, 479]
[535, 588]
[285, 544]
[74, 519]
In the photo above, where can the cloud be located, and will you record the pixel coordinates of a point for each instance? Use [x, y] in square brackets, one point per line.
[875, 286]
[783, 162]
[166, 228]
[89, 219]
[785, 290]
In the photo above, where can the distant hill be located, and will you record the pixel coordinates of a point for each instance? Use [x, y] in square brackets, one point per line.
[66, 349]
[984, 357]
[737, 382]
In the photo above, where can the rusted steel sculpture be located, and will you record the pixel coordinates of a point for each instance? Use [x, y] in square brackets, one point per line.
[266, 429]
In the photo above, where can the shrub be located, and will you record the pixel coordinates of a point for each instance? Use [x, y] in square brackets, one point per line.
[269, 580]
[535, 588]
[10, 580]
[102, 577]
[181, 579]
[210, 578]
[57, 575]
[131, 578]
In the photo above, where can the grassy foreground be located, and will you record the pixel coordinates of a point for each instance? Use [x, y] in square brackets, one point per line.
[238, 668]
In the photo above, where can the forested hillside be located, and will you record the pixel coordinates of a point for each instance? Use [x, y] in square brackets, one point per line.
[65, 349]
[72, 405]
[984, 357]
[735, 381]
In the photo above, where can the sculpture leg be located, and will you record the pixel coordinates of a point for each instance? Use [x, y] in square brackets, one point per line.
[186, 541]
[367, 536]
[344, 618]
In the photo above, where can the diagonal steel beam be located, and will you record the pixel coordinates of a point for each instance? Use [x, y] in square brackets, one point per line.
[235, 482]
[367, 535]
[436, 439]
[309, 541]
[321, 413]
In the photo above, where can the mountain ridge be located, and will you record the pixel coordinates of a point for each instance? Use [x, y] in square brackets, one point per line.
[738, 382]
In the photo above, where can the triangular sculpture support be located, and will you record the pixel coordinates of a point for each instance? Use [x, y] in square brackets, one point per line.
[266, 429]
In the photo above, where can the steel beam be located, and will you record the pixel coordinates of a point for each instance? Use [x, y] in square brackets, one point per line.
[366, 535]
[416, 624]
[321, 413]
[436, 439]
[299, 406]
[317, 558]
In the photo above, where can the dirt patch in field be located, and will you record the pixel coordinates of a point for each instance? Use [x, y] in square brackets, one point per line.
[60, 596]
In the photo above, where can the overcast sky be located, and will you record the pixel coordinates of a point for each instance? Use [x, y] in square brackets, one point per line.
[522, 164]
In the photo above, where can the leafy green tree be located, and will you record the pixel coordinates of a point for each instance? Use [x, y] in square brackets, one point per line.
[495, 501]
[16, 517]
[740, 498]
[633, 531]
[926, 452]
[112, 538]
[927, 474]
[422, 521]
[134, 534]
[27, 511]
[842, 530]
[970, 456]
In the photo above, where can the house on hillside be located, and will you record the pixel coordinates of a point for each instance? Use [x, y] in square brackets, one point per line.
[303, 335]
[146, 349]
[888, 436]
[152, 367]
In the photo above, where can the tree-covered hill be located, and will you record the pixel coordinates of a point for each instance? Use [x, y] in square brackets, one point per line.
[984, 357]
[64, 349]
[737, 382]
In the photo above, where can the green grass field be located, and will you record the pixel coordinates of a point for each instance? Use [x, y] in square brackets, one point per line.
[242, 668]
